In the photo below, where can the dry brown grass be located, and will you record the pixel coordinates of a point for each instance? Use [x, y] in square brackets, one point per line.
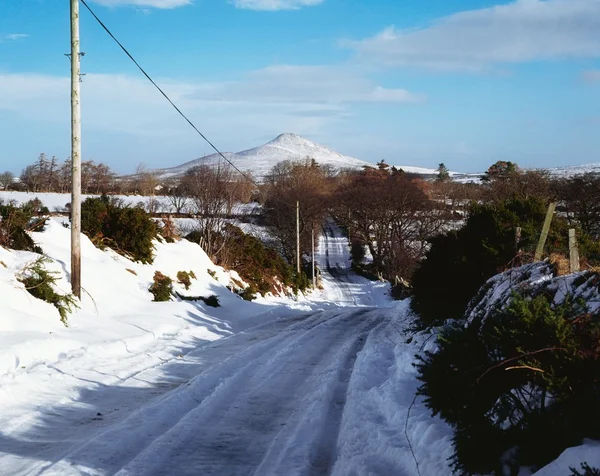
[560, 263]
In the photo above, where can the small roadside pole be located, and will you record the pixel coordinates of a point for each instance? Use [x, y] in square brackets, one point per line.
[75, 153]
[298, 237]
[573, 252]
[314, 278]
[545, 230]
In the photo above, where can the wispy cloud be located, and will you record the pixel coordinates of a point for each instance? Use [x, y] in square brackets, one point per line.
[14, 36]
[592, 76]
[164, 4]
[309, 84]
[298, 98]
[273, 5]
[522, 31]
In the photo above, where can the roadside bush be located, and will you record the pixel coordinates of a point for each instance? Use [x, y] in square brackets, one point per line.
[185, 278]
[39, 282]
[127, 230]
[519, 387]
[161, 288]
[249, 293]
[458, 263]
[15, 222]
[260, 266]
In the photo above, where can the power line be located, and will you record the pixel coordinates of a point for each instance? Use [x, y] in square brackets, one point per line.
[180, 112]
[165, 95]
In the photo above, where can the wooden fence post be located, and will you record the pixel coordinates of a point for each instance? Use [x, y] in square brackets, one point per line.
[545, 230]
[573, 252]
[517, 238]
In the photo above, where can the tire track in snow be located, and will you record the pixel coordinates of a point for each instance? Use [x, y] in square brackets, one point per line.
[326, 449]
[238, 356]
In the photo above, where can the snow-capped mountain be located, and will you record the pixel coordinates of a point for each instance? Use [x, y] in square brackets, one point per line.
[260, 160]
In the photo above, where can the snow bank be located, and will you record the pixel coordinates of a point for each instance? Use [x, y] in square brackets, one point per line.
[532, 279]
[589, 453]
[116, 309]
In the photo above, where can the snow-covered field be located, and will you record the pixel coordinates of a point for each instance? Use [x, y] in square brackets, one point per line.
[323, 384]
[160, 204]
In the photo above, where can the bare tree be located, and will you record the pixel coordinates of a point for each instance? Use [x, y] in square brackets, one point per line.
[207, 189]
[6, 180]
[390, 213]
[287, 183]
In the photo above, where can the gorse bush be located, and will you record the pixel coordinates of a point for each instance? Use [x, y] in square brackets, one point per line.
[459, 262]
[126, 230]
[15, 222]
[40, 283]
[161, 287]
[524, 382]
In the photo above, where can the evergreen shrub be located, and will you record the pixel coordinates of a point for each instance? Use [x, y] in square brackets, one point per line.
[127, 230]
[519, 387]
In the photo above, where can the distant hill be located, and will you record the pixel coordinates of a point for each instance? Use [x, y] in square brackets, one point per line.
[260, 160]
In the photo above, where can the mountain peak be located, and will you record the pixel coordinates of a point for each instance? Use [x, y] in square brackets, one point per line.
[288, 138]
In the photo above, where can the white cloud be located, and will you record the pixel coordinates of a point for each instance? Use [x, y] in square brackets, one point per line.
[273, 5]
[592, 76]
[165, 4]
[525, 30]
[14, 36]
[309, 84]
[297, 98]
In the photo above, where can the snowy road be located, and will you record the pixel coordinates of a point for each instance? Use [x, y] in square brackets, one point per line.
[341, 284]
[289, 392]
[268, 401]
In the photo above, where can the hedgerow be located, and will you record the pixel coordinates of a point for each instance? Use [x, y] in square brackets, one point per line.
[458, 263]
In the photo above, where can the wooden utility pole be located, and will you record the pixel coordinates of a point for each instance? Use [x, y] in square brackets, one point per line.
[314, 277]
[573, 252]
[545, 230]
[298, 237]
[75, 153]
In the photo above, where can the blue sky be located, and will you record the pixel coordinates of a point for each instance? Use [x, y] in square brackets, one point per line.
[412, 82]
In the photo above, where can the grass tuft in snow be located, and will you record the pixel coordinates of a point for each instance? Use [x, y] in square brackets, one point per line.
[586, 470]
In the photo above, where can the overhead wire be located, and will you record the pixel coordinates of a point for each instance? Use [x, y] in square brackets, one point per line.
[165, 95]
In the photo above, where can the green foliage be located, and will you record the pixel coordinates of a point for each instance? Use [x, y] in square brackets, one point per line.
[127, 230]
[500, 170]
[262, 267]
[35, 207]
[586, 470]
[458, 263]
[443, 174]
[248, 294]
[39, 282]
[185, 278]
[526, 378]
[161, 288]
[15, 222]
